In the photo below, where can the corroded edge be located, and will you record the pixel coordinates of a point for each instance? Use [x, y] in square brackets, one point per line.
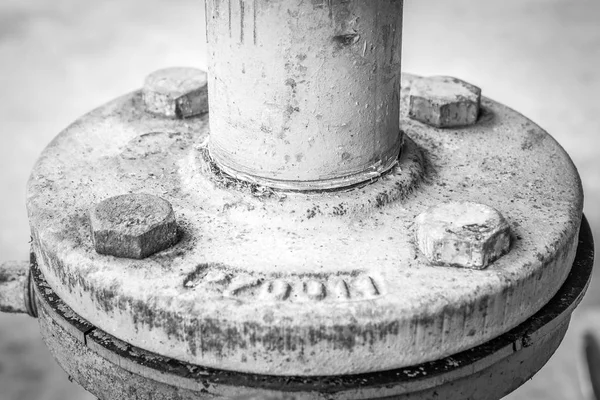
[546, 326]
[368, 346]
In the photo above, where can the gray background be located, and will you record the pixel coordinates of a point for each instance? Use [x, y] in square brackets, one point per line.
[62, 58]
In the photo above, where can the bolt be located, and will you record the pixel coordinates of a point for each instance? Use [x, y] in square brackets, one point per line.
[462, 234]
[444, 102]
[176, 92]
[133, 225]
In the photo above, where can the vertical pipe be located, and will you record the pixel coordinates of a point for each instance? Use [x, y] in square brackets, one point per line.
[304, 94]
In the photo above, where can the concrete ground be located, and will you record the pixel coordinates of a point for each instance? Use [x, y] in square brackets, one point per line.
[60, 59]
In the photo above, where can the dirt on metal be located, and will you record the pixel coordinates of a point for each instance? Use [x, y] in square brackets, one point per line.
[486, 372]
[304, 94]
[319, 283]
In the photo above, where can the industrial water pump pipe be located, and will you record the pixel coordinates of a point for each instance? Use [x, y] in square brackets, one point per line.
[302, 221]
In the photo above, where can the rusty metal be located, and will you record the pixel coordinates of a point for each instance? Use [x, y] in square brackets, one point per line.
[16, 288]
[444, 102]
[486, 372]
[298, 262]
[462, 234]
[133, 225]
[336, 274]
[176, 92]
[311, 103]
[29, 295]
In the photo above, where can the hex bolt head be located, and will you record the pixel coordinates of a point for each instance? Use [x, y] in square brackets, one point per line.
[133, 226]
[462, 234]
[444, 102]
[177, 92]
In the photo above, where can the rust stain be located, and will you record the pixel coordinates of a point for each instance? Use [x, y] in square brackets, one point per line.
[242, 5]
[229, 11]
[254, 21]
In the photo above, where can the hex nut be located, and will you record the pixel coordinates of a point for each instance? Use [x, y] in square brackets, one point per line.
[133, 226]
[444, 102]
[177, 92]
[462, 234]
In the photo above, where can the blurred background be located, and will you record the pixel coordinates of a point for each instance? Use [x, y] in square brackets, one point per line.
[60, 59]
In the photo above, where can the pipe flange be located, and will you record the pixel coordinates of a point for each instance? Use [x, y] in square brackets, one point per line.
[293, 283]
[503, 363]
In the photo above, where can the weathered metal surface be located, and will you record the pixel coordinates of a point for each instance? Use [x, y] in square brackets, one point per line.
[56, 310]
[327, 283]
[177, 92]
[133, 225]
[14, 286]
[30, 297]
[444, 102]
[462, 234]
[112, 369]
[304, 94]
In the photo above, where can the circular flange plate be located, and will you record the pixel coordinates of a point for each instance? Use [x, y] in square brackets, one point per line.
[288, 283]
[109, 367]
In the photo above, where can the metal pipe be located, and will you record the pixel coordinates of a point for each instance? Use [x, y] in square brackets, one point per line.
[16, 290]
[304, 94]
